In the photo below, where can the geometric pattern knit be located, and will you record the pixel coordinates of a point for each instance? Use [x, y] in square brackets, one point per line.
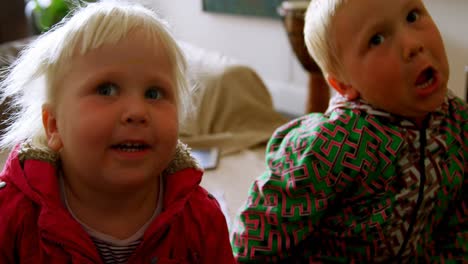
[360, 185]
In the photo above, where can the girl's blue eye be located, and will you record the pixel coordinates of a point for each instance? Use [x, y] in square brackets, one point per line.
[153, 93]
[412, 16]
[376, 40]
[107, 89]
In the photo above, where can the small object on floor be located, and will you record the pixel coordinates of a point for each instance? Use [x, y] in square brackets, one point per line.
[207, 158]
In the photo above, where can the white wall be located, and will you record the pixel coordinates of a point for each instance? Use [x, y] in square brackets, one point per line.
[452, 18]
[262, 43]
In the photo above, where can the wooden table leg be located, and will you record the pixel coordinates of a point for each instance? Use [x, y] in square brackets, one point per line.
[318, 93]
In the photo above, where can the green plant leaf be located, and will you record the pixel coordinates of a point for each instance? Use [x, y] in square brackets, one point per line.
[47, 16]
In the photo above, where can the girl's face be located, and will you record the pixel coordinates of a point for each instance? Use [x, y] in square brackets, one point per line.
[392, 56]
[115, 122]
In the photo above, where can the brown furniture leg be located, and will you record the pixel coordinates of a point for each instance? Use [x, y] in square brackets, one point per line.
[318, 93]
[13, 22]
[293, 20]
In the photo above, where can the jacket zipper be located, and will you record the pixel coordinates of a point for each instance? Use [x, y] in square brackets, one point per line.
[422, 170]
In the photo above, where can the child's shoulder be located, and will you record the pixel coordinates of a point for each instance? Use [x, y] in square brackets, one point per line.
[15, 206]
[12, 184]
[326, 138]
[338, 126]
[204, 201]
[457, 104]
[205, 211]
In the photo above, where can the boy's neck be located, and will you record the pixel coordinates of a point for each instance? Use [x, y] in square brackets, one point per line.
[120, 216]
[420, 122]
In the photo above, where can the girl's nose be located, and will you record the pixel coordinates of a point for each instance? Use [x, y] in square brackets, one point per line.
[135, 119]
[135, 113]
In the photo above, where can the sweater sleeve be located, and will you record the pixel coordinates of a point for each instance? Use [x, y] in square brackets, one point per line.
[299, 208]
[287, 203]
[452, 234]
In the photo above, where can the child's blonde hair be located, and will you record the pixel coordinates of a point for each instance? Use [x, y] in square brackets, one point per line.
[317, 34]
[31, 79]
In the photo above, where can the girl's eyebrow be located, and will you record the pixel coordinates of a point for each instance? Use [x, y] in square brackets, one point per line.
[108, 74]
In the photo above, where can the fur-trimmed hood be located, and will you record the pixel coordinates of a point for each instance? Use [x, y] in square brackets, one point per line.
[34, 171]
[182, 158]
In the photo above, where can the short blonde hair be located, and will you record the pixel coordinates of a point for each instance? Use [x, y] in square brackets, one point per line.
[30, 81]
[317, 34]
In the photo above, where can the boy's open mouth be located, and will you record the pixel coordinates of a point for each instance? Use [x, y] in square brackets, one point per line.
[425, 78]
[130, 147]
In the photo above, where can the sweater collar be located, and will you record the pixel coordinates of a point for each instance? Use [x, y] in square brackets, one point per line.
[338, 102]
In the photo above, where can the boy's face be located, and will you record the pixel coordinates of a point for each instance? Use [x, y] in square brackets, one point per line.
[392, 56]
[115, 121]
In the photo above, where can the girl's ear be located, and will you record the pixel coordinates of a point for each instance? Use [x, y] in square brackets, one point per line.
[49, 121]
[345, 90]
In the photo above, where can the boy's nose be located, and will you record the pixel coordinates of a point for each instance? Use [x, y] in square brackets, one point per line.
[411, 49]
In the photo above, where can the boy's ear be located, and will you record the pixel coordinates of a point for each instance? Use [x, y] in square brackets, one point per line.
[49, 121]
[345, 90]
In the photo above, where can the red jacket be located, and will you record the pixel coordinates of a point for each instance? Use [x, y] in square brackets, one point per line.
[35, 227]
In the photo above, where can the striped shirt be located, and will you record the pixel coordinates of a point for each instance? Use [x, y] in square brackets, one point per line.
[112, 253]
[111, 249]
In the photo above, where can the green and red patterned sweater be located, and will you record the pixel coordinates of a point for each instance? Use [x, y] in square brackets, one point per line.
[358, 185]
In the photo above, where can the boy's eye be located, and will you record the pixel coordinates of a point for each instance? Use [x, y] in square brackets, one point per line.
[376, 40]
[153, 93]
[107, 89]
[412, 16]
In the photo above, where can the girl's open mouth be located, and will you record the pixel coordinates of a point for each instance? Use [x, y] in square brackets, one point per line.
[130, 147]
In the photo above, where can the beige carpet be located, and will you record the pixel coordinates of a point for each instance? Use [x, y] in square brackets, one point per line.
[230, 182]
